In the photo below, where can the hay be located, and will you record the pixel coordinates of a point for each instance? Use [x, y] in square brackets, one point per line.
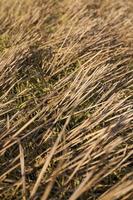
[66, 83]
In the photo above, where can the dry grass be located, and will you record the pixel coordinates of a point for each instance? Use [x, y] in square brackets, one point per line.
[66, 106]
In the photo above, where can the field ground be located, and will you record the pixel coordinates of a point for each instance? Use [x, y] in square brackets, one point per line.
[66, 99]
